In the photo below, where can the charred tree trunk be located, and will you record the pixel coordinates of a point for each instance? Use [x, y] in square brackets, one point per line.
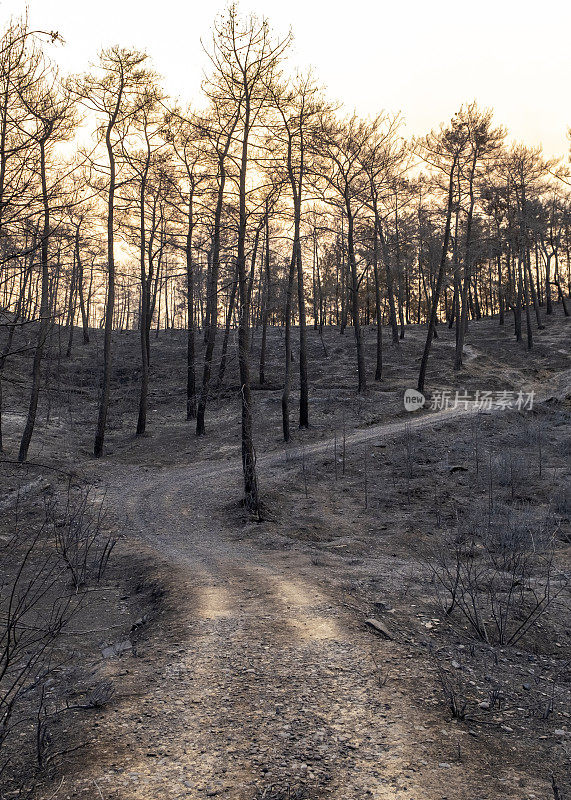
[439, 281]
[190, 345]
[303, 379]
[79, 263]
[361, 372]
[212, 302]
[44, 314]
[110, 301]
[389, 279]
[288, 354]
[145, 307]
[462, 323]
[378, 306]
[71, 307]
[223, 356]
[266, 301]
[251, 494]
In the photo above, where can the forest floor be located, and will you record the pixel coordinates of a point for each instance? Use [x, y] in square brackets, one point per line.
[251, 671]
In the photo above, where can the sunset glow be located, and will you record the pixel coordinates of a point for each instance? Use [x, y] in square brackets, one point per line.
[424, 59]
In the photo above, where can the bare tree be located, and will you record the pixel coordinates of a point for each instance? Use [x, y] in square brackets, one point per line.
[219, 129]
[483, 149]
[524, 170]
[183, 134]
[383, 160]
[297, 109]
[51, 110]
[339, 148]
[115, 92]
[442, 150]
[142, 153]
[246, 60]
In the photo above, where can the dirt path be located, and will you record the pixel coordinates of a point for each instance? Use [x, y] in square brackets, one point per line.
[268, 690]
[271, 688]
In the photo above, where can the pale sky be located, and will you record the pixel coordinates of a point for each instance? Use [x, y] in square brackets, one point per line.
[422, 57]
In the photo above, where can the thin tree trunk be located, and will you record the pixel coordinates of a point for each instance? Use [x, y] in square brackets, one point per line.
[266, 302]
[71, 307]
[439, 282]
[462, 323]
[303, 379]
[223, 355]
[145, 307]
[251, 494]
[110, 301]
[389, 278]
[212, 303]
[361, 372]
[287, 341]
[378, 307]
[44, 315]
[190, 347]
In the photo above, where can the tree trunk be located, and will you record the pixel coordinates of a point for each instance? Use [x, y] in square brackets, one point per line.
[439, 282]
[500, 290]
[44, 316]
[251, 494]
[462, 323]
[223, 355]
[389, 278]
[287, 340]
[190, 354]
[549, 308]
[145, 310]
[378, 307]
[303, 380]
[266, 303]
[82, 308]
[362, 375]
[212, 304]
[71, 307]
[110, 301]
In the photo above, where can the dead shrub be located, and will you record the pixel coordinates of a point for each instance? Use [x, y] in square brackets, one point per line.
[498, 573]
[76, 527]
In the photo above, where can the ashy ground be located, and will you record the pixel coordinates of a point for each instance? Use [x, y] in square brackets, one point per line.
[251, 671]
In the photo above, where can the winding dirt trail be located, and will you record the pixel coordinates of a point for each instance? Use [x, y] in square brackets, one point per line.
[270, 690]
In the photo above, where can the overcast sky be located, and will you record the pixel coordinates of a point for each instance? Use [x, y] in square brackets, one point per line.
[423, 58]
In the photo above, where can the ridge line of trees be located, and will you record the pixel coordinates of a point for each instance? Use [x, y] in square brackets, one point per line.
[265, 207]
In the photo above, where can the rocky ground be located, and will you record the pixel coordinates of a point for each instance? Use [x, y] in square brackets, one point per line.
[239, 651]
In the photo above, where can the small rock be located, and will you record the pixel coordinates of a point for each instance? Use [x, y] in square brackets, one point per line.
[117, 649]
[139, 622]
[456, 665]
[379, 627]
